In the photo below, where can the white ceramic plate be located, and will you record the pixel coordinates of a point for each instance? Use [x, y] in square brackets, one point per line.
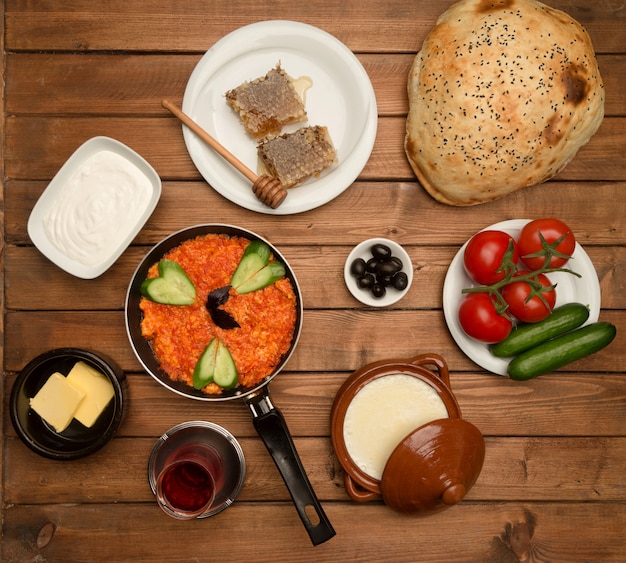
[585, 290]
[341, 98]
[107, 230]
[363, 250]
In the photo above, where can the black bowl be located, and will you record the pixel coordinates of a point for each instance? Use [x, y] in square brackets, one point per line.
[76, 441]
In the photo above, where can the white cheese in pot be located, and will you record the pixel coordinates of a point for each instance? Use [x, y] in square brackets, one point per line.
[383, 413]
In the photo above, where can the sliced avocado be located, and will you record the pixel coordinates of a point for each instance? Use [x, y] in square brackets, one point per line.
[264, 277]
[171, 287]
[205, 368]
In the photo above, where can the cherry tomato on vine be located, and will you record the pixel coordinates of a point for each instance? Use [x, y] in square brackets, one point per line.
[484, 253]
[529, 242]
[524, 301]
[480, 319]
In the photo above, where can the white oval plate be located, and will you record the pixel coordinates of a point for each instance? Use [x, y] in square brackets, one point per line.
[363, 250]
[341, 98]
[585, 290]
[37, 232]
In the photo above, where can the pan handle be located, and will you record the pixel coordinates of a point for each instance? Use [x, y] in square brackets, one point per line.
[272, 428]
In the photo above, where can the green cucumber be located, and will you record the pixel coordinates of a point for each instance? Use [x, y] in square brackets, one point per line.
[255, 271]
[225, 375]
[264, 277]
[526, 336]
[562, 350]
[255, 256]
[205, 366]
[215, 365]
[171, 287]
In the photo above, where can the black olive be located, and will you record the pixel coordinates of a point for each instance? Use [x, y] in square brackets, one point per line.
[400, 281]
[372, 264]
[381, 251]
[366, 281]
[387, 268]
[380, 271]
[357, 268]
[378, 290]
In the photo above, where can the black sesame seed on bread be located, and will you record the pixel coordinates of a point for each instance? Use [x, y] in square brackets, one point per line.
[502, 96]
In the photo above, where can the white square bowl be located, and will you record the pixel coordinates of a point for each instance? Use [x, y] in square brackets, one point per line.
[85, 230]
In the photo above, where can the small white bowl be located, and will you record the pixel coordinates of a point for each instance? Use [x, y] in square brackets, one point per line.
[94, 207]
[363, 250]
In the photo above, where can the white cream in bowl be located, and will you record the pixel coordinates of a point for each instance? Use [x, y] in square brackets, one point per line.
[97, 208]
[94, 207]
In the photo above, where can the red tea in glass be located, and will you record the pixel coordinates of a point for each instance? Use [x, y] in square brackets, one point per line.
[196, 469]
[186, 485]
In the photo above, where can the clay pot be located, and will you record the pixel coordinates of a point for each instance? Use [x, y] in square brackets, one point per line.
[432, 467]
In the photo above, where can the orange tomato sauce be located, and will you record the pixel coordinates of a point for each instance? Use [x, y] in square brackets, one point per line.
[179, 334]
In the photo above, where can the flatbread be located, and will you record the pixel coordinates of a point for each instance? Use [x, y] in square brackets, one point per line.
[502, 96]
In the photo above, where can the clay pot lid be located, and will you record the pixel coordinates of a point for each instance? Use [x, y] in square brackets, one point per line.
[434, 466]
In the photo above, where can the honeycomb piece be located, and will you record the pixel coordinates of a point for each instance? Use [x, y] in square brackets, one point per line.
[293, 157]
[267, 104]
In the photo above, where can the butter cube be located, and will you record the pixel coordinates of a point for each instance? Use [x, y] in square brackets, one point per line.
[57, 401]
[97, 389]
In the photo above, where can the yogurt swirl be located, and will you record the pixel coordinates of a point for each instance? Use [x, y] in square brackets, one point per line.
[97, 208]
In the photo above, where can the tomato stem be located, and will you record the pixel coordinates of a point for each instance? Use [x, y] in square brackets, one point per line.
[549, 250]
[512, 275]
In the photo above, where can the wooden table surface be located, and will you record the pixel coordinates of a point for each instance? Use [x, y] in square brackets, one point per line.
[553, 483]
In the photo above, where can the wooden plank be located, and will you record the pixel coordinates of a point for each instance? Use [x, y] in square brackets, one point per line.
[494, 533]
[363, 27]
[90, 84]
[515, 469]
[26, 268]
[2, 246]
[401, 211]
[561, 404]
[191, 27]
[160, 141]
[351, 346]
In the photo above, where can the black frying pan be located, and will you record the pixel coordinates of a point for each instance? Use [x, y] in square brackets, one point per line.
[268, 420]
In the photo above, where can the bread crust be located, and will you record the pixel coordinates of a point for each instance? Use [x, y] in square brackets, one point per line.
[502, 96]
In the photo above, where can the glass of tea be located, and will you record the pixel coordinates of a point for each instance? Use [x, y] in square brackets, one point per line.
[185, 486]
[195, 470]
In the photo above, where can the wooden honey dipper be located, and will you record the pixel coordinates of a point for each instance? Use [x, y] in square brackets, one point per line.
[269, 190]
